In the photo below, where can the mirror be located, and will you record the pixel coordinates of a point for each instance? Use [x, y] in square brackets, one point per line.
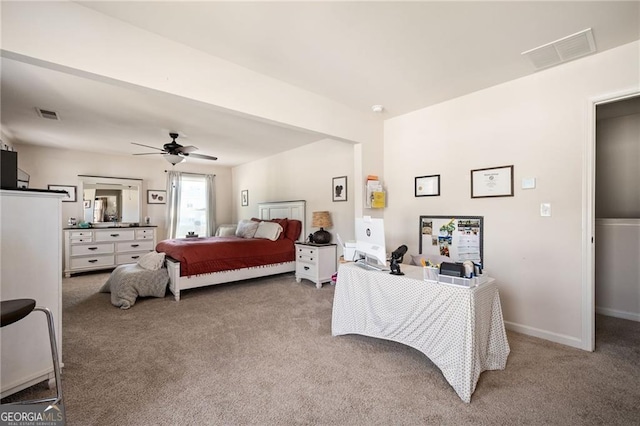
[111, 200]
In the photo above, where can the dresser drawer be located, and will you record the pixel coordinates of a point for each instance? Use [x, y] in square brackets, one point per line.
[134, 246]
[92, 261]
[306, 254]
[81, 240]
[306, 251]
[144, 234]
[306, 259]
[80, 234]
[306, 269]
[129, 257]
[84, 249]
[115, 235]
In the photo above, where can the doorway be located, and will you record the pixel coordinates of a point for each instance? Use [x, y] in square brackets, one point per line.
[612, 214]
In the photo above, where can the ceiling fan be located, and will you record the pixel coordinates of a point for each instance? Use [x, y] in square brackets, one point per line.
[174, 153]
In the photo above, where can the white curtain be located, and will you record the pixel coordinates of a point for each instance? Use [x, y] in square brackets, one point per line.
[210, 181]
[173, 202]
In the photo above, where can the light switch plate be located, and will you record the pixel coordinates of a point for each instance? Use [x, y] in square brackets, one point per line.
[545, 209]
[528, 183]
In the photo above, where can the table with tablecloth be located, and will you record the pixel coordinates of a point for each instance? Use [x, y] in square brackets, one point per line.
[460, 329]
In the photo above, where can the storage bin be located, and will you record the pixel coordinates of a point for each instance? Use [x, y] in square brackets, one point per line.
[464, 282]
[430, 273]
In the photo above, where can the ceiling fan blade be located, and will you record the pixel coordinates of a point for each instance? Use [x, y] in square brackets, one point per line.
[187, 149]
[150, 153]
[152, 147]
[204, 157]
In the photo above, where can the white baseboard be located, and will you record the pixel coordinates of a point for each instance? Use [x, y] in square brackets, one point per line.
[544, 334]
[632, 316]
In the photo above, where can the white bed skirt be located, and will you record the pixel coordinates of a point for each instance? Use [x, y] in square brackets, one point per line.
[178, 283]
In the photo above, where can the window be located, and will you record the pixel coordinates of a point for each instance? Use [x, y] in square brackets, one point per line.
[191, 204]
[192, 211]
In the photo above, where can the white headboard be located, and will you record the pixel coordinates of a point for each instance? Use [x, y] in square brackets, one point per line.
[285, 209]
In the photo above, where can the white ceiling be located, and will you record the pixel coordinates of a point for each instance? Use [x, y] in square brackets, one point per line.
[403, 55]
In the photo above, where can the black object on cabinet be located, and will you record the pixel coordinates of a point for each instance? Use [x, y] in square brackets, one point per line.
[9, 169]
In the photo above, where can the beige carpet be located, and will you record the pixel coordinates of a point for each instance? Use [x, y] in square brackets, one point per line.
[261, 353]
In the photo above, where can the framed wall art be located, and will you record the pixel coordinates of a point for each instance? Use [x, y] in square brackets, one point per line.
[69, 189]
[244, 197]
[156, 196]
[339, 188]
[492, 182]
[427, 186]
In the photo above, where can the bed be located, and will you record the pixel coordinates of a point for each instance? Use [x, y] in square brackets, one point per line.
[188, 268]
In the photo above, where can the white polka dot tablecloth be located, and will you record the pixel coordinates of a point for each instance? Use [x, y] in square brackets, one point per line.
[460, 329]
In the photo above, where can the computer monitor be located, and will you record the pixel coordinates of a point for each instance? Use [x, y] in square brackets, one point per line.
[370, 241]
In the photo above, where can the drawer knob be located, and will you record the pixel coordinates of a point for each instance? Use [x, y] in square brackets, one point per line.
[115, 235]
[135, 257]
[135, 245]
[93, 260]
[92, 248]
[306, 268]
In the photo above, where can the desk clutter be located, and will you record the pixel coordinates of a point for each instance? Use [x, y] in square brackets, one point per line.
[453, 273]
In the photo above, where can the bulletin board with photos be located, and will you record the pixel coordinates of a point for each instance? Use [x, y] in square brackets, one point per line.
[457, 237]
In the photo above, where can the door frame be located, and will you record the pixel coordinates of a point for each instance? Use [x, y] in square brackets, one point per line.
[588, 217]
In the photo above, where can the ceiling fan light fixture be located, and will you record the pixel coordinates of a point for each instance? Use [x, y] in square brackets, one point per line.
[173, 158]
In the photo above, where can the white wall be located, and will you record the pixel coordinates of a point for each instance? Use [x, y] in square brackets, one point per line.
[301, 174]
[618, 167]
[617, 268]
[47, 166]
[539, 124]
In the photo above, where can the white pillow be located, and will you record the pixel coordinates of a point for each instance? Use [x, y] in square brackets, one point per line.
[152, 260]
[268, 230]
[246, 228]
[226, 230]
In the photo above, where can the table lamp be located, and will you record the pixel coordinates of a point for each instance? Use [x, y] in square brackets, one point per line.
[321, 220]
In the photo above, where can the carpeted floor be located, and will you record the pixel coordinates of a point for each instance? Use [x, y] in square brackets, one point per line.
[261, 353]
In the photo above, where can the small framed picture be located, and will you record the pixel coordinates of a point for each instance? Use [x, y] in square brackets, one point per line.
[155, 196]
[244, 197]
[87, 204]
[69, 189]
[427, 186]
[339, 188]
[492, 182]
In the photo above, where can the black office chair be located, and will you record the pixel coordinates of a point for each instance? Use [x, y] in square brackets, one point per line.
[13, 311]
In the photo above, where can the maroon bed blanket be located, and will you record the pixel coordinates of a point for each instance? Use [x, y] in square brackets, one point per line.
[215, 254]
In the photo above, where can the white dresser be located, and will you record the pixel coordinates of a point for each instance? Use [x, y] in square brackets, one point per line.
[30, 268]
[315, 262]
[103, 248]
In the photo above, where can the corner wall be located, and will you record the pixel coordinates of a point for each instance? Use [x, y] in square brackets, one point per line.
[539, 124]
[306, 174]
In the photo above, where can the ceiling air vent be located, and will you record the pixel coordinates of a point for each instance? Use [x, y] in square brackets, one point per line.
[50, 115]
[562, 50]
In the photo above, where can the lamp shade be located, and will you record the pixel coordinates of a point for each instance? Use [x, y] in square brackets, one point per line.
[321, 220]
[173, 158]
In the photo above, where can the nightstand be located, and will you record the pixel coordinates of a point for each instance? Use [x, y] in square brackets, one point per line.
[315, 262]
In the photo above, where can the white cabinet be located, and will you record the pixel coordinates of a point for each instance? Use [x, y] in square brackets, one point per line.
[315, 263]
[94, 249]
[30, 268]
